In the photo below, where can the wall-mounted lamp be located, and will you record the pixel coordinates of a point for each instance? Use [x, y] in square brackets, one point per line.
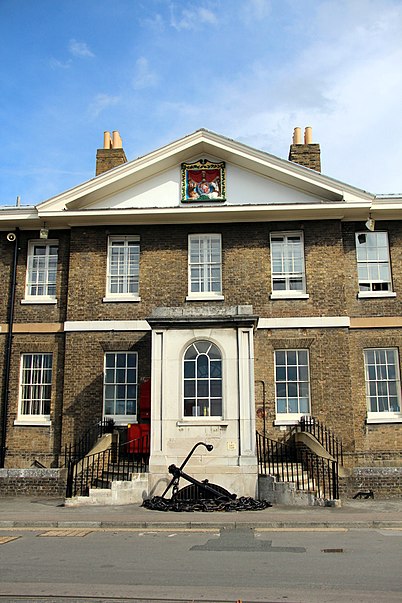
[370, 224]
[44, 232]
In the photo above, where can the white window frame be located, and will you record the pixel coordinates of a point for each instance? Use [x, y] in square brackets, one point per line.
[285, 274]
[35, 388]
[297, 383]
[380, 374]
[203, 400]
[378, 262]
[206, 265]
[120, 418]
[123, 270]
[45, 298]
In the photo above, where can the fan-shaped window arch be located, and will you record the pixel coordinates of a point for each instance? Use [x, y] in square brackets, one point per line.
[202, 380]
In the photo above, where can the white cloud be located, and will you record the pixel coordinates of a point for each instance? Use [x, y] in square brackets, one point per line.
[191, 18]
[56, 64]
[79, 49]
[256, 10]
[156, 22]
[144, 76]
[102, 102]
[345, 82]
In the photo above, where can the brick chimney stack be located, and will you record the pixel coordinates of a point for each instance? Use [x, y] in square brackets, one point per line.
[307, 154]
[112, 153]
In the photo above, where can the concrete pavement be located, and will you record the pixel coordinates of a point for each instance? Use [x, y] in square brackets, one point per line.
[43, 513]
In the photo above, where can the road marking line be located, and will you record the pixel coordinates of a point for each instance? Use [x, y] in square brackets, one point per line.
[66, 533]
[5, 539]
[301, 529]
[110, 529]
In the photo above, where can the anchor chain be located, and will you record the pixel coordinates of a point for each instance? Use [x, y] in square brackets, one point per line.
[205, 505]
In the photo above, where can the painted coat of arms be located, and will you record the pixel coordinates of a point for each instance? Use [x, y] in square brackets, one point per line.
[202, 181]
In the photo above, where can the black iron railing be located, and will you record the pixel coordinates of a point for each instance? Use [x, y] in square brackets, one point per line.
[324, 435]
[290, 463]
[76, 451]
[101, 469]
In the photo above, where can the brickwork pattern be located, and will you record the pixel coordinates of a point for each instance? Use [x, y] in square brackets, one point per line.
[329, 378]
[308, 155]
[26, 313]
[385, 482]
[336, 355]
[83, 375]
[106, 159]
[246, 270]
[6, 261]
[47, 483]
[26, 444]
[375, 306]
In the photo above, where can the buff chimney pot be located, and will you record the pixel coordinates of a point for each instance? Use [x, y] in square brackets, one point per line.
[112, 155]
[107, 140]
[308, 135]
[117, 141]
[297, 138]
[307, 154]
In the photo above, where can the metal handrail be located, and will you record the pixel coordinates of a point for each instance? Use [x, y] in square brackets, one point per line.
[76, 451]
[100, 469]
[324, 436]
[290, 463]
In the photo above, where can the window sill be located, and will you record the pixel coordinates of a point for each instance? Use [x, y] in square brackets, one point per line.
[203, 422]
[368, 294]
[28, 423]
[122, 421]
[289, 295]
[123, 298]
[373, 418]
[39, 300]
[208, 297]
[291, 419]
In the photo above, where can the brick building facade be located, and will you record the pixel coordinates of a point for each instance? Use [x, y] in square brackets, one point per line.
[281, 287]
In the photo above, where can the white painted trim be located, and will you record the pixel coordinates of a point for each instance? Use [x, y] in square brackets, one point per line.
[39, 300]
[122, 420]
[383, 417]
[106, 325]
[370, 294]
[285, 422]
[206, 297]
[202, 422]
[288, 295]
[122, 298]
[33, 423]
[310, 322]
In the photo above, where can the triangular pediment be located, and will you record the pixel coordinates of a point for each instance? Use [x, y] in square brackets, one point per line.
[252, 177]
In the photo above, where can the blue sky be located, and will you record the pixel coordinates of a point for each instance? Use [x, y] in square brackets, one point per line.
[156, 70]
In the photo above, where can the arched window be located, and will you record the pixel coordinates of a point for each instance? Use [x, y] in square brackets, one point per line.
[202, 380]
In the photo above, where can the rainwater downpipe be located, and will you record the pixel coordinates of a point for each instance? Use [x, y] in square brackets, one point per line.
[9, 340]
[263, 406]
